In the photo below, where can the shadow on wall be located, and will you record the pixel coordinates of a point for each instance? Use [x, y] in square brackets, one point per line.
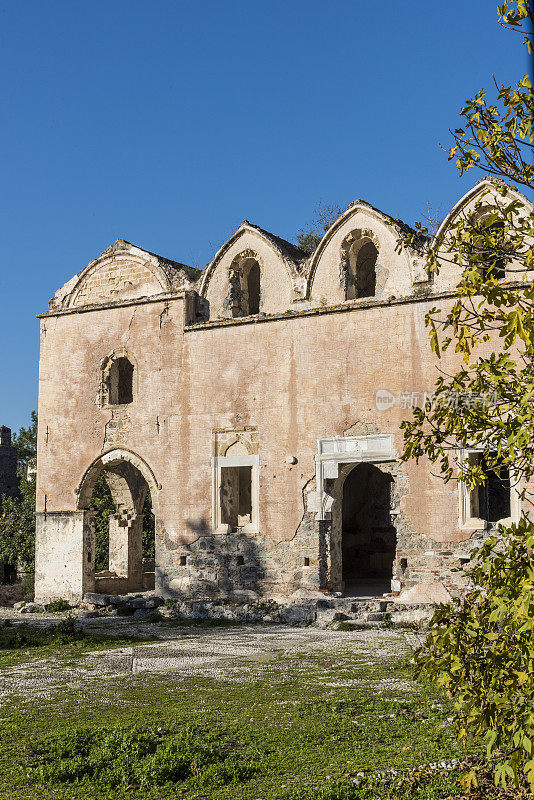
[218, 564]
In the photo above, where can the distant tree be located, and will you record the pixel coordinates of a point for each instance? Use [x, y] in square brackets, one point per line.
[17, 514]
[25, 443]
[311, 234]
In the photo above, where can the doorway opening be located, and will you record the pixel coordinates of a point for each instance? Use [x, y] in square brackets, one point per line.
[124, 551]
[369, 538]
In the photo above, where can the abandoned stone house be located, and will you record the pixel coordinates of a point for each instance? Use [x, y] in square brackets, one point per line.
[258, 402]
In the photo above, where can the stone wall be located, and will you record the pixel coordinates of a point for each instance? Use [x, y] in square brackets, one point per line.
[9, 486]
[255, 393]
[9, 483]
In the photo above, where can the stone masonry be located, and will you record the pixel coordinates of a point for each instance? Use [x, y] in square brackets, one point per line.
[258, 402]
[9, 484]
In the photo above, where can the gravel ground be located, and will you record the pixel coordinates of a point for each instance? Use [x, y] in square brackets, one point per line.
[241, 653]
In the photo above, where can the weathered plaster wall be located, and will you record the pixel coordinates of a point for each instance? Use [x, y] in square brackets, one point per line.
[276, 286]
[309, 371]
[393, 269]
[295, 380]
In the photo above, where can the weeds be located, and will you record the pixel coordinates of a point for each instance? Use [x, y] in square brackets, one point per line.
[58, 605]
[22, 636]
[138, 757]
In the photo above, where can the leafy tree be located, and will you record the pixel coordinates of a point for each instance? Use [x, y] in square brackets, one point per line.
[25, 442]
[102, 503]
[17, 514]
[481, 650]
[17, 526]
[309, 237]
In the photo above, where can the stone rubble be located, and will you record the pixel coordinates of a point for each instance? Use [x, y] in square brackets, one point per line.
[300, 611]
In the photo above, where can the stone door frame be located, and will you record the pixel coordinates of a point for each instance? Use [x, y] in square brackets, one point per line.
[340, 450]
[335, 458]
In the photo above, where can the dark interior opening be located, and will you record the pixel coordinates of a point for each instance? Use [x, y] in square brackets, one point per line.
[121, 382]
[492, 499]
[369, 538]
[365, 270]
[496, 261]
[253, 288]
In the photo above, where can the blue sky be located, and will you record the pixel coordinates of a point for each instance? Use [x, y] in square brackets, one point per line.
[168, 122]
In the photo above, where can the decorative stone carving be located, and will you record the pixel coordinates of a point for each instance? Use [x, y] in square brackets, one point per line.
[345, 450]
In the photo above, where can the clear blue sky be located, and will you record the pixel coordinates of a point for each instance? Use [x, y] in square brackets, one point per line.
[167, 122]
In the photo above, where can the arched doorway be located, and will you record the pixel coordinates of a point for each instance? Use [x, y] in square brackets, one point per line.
[368, 535]
[119, 490]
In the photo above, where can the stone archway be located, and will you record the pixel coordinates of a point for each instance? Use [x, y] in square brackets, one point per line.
[129, 480]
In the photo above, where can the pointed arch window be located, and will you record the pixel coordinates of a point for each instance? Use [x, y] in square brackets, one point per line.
[244, 296]
[358, 274]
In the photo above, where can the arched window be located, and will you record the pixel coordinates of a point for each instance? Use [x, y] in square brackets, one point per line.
[118, 380]
[253, 288]
[121, 382]
[365, 269]
[359, 255]
[244, 286]
[495, 260]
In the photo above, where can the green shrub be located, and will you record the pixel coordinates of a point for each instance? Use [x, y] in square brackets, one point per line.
[22, 636]
[137, 756]
[66, 632]
[346, 625]
[58, 605]
[481, 652]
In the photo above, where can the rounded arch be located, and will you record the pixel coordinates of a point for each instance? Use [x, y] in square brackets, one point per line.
[484, 191]
[132, 272]
[112, 460]
[245, 279]
[106, 366]
[358, 256]
[328, 265]
[248, 233]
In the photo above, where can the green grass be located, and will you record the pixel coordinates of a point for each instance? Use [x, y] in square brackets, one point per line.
[21, 644]
[290, 729]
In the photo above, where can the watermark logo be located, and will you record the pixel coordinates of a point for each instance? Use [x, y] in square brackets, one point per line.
[384, 400]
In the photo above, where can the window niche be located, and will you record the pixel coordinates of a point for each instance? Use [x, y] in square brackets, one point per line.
[244, 297]
[253, 287]
[118, 380]
[494, 252]
[495, 501]
[496, 262]
[359, 254]
[235, 482]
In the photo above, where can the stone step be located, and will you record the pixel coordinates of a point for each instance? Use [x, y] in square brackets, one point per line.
[376, 616]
